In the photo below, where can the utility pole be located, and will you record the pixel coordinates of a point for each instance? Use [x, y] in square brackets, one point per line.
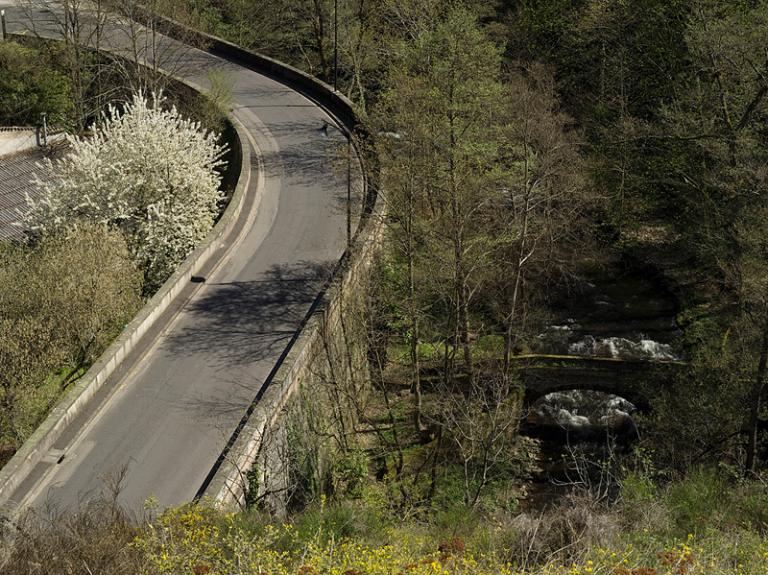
[2, 24]
[335, 45]
[44, 137]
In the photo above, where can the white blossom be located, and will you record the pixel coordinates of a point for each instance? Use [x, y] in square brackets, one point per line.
[147, 171]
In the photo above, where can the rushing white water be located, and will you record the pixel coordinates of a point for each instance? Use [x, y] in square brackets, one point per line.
[565, 339]
[586, 410]
[582, 409]
[620, 347]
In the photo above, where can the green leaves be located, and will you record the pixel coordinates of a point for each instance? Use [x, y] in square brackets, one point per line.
[29, 87]
[61, 303]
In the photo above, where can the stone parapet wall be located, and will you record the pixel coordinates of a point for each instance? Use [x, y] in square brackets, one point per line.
[37, 446]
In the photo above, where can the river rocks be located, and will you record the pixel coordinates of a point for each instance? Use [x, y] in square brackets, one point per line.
[568, 419]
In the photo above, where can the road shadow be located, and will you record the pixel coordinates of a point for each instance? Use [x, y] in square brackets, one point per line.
[307, 157]
[242, 323]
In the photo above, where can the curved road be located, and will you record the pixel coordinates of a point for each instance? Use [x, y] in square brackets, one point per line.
[159, 424]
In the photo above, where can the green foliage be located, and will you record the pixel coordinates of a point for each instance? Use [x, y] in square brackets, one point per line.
[577, 537]
[62, 301]
[31, 85]
[696, 501]
[339, 521]
[751, 503]
[536, 29]
[637, 490]
[211, 108]
[252, 478]
[350, 473]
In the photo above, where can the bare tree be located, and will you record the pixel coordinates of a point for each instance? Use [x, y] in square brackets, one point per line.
[80, 25]
[480, 422]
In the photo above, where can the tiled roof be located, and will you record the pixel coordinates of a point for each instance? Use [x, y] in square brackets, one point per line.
[16, 175]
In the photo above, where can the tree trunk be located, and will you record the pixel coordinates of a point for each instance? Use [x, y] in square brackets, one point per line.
[412, 310]
[460, 279]
[318, 26]
[415, 365]
[521, 257]
[755, 403]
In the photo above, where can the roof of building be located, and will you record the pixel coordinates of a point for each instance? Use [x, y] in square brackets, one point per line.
[16, 181]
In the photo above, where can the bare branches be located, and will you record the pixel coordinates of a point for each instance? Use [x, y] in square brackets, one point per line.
[480, 422]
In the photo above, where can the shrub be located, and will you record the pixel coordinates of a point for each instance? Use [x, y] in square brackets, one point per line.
[145, 171]
[350, 473]
[62, 302]
[696, 502]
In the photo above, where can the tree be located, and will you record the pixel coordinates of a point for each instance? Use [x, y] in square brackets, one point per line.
[442, 92]
[62, 302]
[718, 177]
[538, 218]
[149, 61]
[618, 63]
[300, 32]
[30, 87]
[729, 48]
[145, 171]
[481, 423]
[80, 25]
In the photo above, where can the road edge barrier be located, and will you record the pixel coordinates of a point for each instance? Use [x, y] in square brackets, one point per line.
[42, 440]
[227, 483]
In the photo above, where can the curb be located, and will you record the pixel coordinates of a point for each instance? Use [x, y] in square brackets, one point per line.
[35, 448]
[226, 484]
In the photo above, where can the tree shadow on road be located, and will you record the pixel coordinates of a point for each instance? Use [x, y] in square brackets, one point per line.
[242, 323]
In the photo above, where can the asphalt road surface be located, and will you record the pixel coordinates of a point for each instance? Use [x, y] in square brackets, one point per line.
[162, 420]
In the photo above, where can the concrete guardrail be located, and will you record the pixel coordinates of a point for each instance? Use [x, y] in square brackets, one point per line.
[72, 404]
[224, 483]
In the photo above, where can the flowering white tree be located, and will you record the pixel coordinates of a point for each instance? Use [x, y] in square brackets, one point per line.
[146, 171]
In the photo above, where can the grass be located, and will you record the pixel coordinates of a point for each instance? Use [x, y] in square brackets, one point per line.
[32, 408]
[577, 537]
[485, 347]
[642, 533]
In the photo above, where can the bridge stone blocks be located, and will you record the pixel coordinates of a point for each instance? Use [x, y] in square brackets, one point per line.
[542, 375]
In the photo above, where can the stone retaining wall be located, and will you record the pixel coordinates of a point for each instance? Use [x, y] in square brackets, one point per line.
[318, 356]
[255, 445]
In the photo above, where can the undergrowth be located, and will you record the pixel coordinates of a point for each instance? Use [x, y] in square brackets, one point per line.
[704, 524]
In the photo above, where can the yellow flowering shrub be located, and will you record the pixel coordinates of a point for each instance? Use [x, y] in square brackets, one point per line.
[198, 540]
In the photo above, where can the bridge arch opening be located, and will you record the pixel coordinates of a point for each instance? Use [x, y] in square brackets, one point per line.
[581, 415]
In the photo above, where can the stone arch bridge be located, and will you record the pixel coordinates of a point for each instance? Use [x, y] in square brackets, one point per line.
[634, 380]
